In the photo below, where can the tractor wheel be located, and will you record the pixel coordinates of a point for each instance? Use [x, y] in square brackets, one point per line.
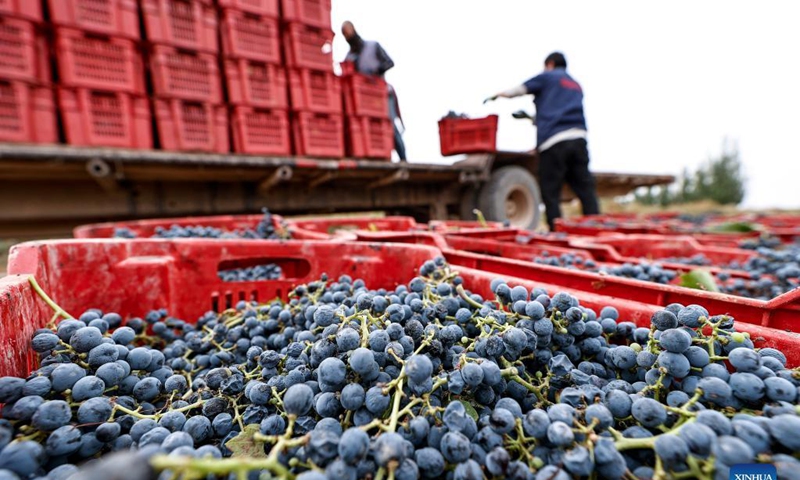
[512, 194]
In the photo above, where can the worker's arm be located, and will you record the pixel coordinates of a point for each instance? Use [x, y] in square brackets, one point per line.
[517, 91]
[386, 62]
[531, 87]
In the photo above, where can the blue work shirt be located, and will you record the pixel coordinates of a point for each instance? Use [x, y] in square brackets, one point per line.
[559, 103]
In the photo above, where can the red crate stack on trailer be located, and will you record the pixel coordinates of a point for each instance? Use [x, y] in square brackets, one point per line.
[183, 60]
[370, 133]
[27, 107]
[314, 89]
[100, 73]
[255, 76]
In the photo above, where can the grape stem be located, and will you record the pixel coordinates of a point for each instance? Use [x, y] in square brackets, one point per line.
[463, 294]
[49, 301]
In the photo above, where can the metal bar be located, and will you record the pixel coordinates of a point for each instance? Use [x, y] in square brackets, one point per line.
[398, 176]
[282, 174]
[321, 179]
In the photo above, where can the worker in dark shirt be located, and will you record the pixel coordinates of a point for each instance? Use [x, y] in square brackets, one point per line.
[561, 136]
[370, 58]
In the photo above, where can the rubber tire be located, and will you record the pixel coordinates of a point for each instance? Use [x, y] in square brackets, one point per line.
[494, 194]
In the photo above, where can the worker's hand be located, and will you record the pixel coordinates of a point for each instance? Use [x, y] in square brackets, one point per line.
[490, 99]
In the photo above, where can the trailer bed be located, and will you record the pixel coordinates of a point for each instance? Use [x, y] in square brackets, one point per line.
[48, 189]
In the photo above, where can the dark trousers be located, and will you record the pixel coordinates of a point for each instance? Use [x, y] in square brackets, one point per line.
[399, 145]
[566, 161]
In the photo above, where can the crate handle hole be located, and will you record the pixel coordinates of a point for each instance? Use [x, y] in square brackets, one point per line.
[290, 268]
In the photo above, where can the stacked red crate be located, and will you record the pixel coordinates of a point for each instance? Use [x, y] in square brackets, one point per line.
[27, 109]
[370, 133]
[255, 76]
[314, 89]
[101, 87]
[183, 60]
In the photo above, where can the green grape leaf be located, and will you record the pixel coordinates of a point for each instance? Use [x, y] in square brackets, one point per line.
[470, 409]
[245, 444]
[699, 279]
[734, 227]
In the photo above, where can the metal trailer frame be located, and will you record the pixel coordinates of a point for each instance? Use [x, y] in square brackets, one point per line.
[49, 189]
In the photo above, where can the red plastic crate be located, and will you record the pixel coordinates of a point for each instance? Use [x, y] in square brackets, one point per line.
[316, 13]
[110, 17]
[78, 275]
[23, 51]
[369, 137]
[261, 131]
[181, 23]
[348, 224]
[270, 8]
[250, 36]
[185, 74]
[657, 247]
[27, 113]
[305, 47]
[105, 119]
[366, 95]
[227, 223]
[458, 226]
[318, 135]
[185, 125]
[315, 91]
[27, 9]
[474, 135]
[98, 62]
[256, 84]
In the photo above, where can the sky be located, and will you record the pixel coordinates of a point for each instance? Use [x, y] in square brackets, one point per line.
[665, 83]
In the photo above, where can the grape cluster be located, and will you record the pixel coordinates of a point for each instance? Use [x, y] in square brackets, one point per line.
[425, 380]
[643, 270]
[264, 230]
[773, 271]
[699, 260]
[268, 271]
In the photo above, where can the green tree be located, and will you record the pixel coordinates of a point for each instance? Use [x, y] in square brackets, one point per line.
[719, 179]
[725, 179]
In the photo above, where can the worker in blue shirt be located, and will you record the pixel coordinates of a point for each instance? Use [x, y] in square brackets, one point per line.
[370, 58]
[561, 136]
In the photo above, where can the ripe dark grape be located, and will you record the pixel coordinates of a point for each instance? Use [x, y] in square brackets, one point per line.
[414, 380]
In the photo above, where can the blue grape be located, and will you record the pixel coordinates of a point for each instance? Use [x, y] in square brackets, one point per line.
[353, 445]
[747, 386]
[535, 424]
[50, 415]
[675, 340]
[784, 430]
[352, 397]
[744, 360]
[468, 470]
[65, 376]
[389, 447]
[578, 461]
[551, 472]
[560, 434]
[649, 412]
[418, 368]
[671, 448]
[664, 320]
[732, 451]
[298, 399]
[22, 458]
[199, 428]
[63, 441]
